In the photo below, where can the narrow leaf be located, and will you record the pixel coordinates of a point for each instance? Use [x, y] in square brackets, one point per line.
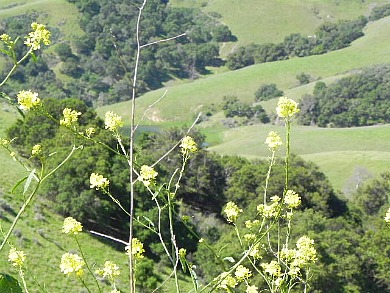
[9, 284]
[229, 259]
[28, 181]
[18, 183]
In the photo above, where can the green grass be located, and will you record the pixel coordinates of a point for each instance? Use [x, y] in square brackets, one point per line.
[338, 152]
[353, 147]
[262, 21]
[7, 117]
[184, 101]
[58, 14]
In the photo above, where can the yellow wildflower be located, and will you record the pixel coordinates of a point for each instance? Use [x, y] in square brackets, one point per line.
[231, 210]
[272, 268]
[110, 270]
[38, 35]
[137, 248]
[71, 226]
[97, 181]
[71, 263]
[242, 273]
[36, 150]
[147, 175]
[273, 140]
[112, 121]
[227, 281]
[387, 217]
[28, 100]
[292, 199]
[286, 107]
[188, 145]
[16, 257]
[70, 117]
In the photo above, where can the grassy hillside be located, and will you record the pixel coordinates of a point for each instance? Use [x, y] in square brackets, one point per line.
[52, 13]
[184, 101]
[338, 152]
[263, 21]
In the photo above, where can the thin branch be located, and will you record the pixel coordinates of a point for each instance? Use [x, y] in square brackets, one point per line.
[151, 106]
[168, 152]
[163, 40]
[108, 237]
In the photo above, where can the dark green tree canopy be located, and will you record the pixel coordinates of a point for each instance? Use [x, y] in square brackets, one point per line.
[357, 100]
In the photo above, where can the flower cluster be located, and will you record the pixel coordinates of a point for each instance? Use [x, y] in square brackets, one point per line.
[292, 199]
[387, 217]
[70, 117]
[28, 100]
[8, 41]
[97, 181]
[269, 211]
[273, 140]
[182, 253]
[252, 289]
[112, 121]
[147, 175]
[71, 263]
[188, 145]
[137, 248]
[16, 257]
[38, 35]
[4, 142]
[255, 252]
[36, 150]
[231, 210]
[242, 273]
[71, 226]
[286, 108]
[109, 271]
[226, 281]
[306, 250]
[300, 257]
[272, 268]
[89, 131]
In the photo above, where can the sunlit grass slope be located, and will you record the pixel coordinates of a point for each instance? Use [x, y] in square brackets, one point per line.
[59, 14]
[183, 102]
[338, 152]
[264, 21]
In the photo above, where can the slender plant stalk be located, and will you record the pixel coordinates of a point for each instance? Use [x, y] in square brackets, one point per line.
[31, 196]
[86, 263]
[16, 65]
[131, 149]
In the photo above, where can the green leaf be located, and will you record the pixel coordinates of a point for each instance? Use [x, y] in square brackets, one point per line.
[229, 259]
[6, 97]
[18, 183]
[33, 57]
[149, 221]
[9, 284]
[28, 181]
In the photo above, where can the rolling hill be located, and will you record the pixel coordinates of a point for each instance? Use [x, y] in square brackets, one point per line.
[182, 103]
[338, 152]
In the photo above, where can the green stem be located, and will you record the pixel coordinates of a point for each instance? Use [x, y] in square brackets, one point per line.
[16, 65]
[86, 263]
[85, 285]
[21, 211]
[272, 162]
[21, 274]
